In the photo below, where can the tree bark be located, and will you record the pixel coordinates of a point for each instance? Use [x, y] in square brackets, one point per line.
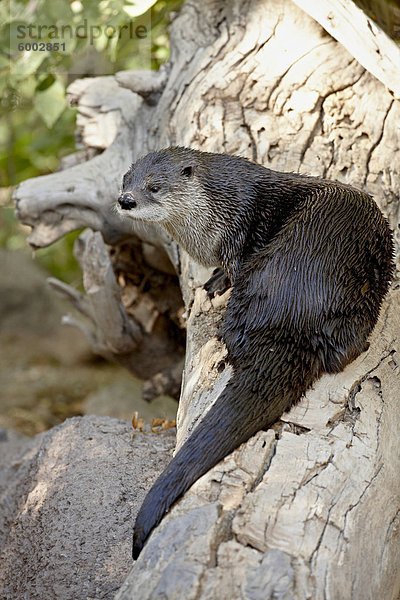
[359, 34]
[309, 509]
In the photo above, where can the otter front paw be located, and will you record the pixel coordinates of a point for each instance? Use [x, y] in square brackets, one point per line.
[218, 283]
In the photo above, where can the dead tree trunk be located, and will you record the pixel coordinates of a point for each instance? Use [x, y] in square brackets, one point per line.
[310, 509]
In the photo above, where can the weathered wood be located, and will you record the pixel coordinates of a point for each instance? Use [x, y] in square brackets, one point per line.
[83, 195]
[121, 322]
[313, 512]
[365, 40]
[147, 84]
[165, 383]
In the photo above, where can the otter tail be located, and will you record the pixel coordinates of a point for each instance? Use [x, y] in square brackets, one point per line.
[303, 305]
[237, 414]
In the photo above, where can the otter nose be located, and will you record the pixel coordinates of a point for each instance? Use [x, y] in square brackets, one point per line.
[126, 201]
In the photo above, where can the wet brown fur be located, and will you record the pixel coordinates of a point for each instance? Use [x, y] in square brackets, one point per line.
[310, 262]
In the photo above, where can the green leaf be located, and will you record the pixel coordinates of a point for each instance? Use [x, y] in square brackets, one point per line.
[51, 103]
[135, 8]
[45, 83]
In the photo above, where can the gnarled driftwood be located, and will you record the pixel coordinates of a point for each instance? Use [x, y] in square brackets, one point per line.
[311, 509]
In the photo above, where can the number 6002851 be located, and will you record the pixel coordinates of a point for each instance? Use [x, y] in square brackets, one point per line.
[41, 46]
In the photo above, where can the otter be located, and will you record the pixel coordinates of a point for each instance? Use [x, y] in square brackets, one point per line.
[309, 261]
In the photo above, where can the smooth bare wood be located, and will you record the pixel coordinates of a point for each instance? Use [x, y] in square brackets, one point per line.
[117, 333]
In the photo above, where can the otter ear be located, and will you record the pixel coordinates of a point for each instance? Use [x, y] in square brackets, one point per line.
[187, 171]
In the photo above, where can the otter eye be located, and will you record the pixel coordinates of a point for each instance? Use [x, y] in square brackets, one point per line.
[154, 189]
[187, 171]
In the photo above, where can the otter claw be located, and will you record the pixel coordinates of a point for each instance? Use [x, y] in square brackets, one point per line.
[218, 283]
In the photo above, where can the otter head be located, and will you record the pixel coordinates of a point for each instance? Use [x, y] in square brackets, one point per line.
[157, 188]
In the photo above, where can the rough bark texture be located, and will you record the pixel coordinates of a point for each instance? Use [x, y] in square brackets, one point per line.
[373, 49]
[312, 509]
[310, 513]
